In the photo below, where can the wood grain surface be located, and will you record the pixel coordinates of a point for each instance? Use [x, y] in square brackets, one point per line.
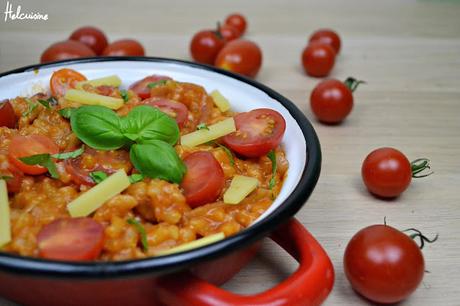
[407, 51]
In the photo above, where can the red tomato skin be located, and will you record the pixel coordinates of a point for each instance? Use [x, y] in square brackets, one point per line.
[240, 56]
[318, 59]
[124, 47]
[229, 32]
[93, 37]
[204, 180]
[165, 105]
[255, 146]
[7, 115]
[238, 21]
[205, 46]
[141, 87]
[71, 239]
[383, 264]
[331, 101]
[63, 79]
[386, 172]
[66, 50]
[327, 36]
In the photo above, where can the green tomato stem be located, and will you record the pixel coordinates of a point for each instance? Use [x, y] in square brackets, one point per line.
[353, 83]
[419, 165]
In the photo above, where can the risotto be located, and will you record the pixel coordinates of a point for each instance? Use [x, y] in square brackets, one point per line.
[90, 171]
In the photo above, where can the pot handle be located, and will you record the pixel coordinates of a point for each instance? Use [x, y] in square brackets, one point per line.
[309, 285]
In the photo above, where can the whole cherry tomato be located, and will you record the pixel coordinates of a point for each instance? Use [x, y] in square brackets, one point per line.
[92, 37]
[205, 46]
[387, 172]
[332, 100]
[7, 115]
[327, 36]
[384, 264]
[237, 21]
[228, 32]
[240, 56]
[318, 59]
[124, 47]
[66, 50]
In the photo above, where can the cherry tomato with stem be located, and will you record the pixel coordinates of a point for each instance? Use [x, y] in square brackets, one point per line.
[141, 87]
[240, 56]
[332, 100]
[327, 36]
[66, 50]
[204, 180]
[64, 79]
[7, 115]
[24, 146]
[387, 172]
[205, 46]
[93, 37]
[318, 59]
[383, 264]
[237, 21]
[257, 132]
[71, 239]
[124, 47]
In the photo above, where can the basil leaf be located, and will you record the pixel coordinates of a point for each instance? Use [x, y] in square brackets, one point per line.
[45, 103]
[136, 177]
[98, 127]
[202, 126]
[66, 112]
[272, 156]
[144, 124]
[43, 160]
[141, 231]
[67, 155]
[98, 176]
[158, 159]
[124, 95]
[157, 83]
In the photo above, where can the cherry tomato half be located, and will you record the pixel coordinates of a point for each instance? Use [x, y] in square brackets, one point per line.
[71, 239]
[386, 172]
[92, 37]
[240, 56]
[66, 50]
[318, 59]
[204, 179]
[63, 79]
[257, 132]
[229, 32]
[383, 264]
[15, 176]
[7, 115]
[23, 146]
[141, 87]
[327, 36]
[124, 47]
[331, 101]
[205, 46]
[175, 110]
[238, 22]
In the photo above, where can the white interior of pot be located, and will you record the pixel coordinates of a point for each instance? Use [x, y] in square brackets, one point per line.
[242, 96]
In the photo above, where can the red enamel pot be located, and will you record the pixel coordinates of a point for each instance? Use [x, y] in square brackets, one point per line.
[192, 277]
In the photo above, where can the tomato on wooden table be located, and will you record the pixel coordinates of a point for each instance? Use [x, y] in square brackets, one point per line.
[141, 87]
[327, 36]
[383, 264]
[257, 132]
[124, 47]
[93, 37]
[63, 79]
[238, 22]
[205, 46]
[24, 146]
[204, 180]
[240, 56]
[7, 115]
[318, 59]
[71, 239]
[66, 50]
[176, 110]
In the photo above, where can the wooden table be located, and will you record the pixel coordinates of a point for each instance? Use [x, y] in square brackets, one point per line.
[407, 51]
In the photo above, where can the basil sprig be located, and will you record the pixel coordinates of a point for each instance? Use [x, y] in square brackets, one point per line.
[149, 132]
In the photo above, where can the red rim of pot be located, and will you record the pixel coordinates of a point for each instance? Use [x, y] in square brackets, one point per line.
[174, 262]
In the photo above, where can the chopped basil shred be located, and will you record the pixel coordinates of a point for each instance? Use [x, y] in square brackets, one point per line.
[67, 155]
[135, 177]
[140, 228]
[98, 176]
[202, 126]
[272, 156]
[66, 112]
[5, 177]
[124, 95]
[45, 103]
[32, 107]
[157, 83]
[227, 151]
